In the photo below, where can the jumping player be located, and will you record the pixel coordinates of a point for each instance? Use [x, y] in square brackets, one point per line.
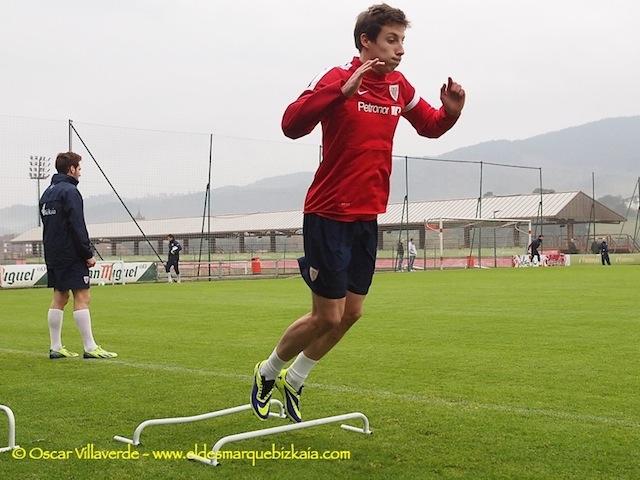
[358, 105]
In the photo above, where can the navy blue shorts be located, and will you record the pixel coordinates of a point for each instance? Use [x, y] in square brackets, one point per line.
[74, 276]
[172, 263]
[338, 256]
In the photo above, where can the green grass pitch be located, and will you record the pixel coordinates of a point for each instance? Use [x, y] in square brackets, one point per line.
[508, 373]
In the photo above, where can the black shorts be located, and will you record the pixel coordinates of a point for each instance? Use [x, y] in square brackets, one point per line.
[74, 276]
[338, 256]
[172, 263]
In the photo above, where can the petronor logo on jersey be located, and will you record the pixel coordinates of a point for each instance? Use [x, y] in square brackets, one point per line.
[379, 109]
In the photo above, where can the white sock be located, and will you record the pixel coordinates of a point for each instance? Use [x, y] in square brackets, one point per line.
[299, 370]
[271, 368]
[178, 278]
[169, 277]
[83, 321]
[54, 318]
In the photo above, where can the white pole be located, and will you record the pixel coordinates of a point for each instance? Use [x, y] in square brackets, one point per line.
[441, 244]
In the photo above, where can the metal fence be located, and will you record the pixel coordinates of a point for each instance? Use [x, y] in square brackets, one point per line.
[147, 177]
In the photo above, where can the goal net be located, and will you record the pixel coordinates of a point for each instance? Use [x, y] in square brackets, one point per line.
[474, 242]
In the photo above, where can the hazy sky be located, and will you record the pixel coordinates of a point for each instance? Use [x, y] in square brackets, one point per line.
[232, 67]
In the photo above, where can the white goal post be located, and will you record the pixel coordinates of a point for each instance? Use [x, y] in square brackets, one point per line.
[458, 234]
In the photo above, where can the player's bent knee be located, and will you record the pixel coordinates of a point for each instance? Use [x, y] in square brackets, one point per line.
[349, 318]
[326, 323]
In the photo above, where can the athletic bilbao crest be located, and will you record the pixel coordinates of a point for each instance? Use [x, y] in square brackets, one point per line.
[313, 274]
[394, 90]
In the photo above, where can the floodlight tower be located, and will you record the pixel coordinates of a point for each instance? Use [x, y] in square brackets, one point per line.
[39, 170]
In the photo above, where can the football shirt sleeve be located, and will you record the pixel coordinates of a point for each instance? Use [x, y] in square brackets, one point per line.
[428, 121]
[302, 116]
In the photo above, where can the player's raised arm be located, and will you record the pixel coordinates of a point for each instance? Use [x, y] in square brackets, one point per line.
[452, 96]
[431, 122]
[354, 82]
[302, 116]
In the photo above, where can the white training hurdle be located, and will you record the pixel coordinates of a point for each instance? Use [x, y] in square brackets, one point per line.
[213, 461]
[12, 429]
[135, 440]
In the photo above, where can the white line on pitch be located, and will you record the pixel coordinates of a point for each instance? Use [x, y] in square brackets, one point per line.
[431, 400]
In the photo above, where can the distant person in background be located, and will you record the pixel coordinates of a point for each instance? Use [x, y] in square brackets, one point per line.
[173, 259]
[604, 252]
[399, 256]
[533, 249]
[68, 255]
[413, 252]
[572, 248]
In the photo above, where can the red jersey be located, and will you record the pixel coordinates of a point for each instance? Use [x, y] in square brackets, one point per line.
[352, 181]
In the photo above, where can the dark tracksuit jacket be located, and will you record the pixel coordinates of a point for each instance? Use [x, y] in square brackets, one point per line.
[535, 245]
[65, 236]
[604, 253]
[174, 257]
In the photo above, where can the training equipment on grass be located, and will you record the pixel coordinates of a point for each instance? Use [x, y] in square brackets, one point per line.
[135, 440]
[213, 461]
[12, 429]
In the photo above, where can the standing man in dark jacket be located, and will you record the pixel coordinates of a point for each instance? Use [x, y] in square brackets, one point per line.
[604, 253]
[173, 259]
[400, 256]
[68, 255]
[534, 246]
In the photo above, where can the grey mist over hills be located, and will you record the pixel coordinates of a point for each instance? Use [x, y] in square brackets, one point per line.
[610, 148]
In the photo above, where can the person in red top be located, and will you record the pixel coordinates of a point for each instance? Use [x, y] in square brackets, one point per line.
[358, 105]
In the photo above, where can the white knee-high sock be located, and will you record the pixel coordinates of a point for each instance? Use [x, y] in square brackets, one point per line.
[54, 318]
[271, 368]
[83, 321]
[299, 370]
